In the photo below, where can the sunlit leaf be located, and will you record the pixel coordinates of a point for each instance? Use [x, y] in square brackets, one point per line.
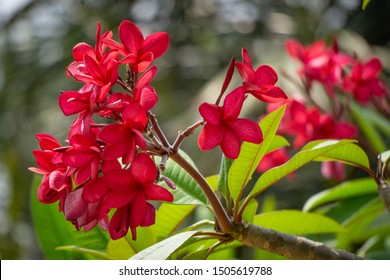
[364, 122]
[296, 222]
[365, 4]
[169, 217]
[94, 253]
[187, 191]
[53, 230]
[251, 154]
[163, 249]
[345, 190]
[325, 148]
[120, 249]
[250, 211]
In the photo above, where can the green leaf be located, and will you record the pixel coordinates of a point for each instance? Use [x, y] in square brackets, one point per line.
[326, 149]
[365, 4]
[163, 249]
[251, 154]
[94, 253]
[362, 119]
[226, 163]
[53, 230]
[345, 190]
[298, 223]
[277, 143]
[169, 217]
[187, 191]
[120, 249]
[250, 211]
[213, 181]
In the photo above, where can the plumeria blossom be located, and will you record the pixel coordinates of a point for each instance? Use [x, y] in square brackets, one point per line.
[224, 128]
[56, 183]
[260, 82]
[363, 81]
[320, 63]
[138, 51]
[130, 189]
[123, 138]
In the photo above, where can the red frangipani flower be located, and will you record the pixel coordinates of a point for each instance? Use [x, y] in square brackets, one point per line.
[139, 52]
[130, 189]
[122, 138]
[260, 82]
[363, 81]
[224, 128]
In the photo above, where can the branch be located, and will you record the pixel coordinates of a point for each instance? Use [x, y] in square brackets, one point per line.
[289, 246]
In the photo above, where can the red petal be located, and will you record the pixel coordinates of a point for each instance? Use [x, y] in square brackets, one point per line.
[115, 151]
[58, 181]
[118, 226]
[246, 59]
[156, 192]
[95, 190]
[135, 117]
[117, 199]
[146, 78]
[131, 36]
[247, 73]
[74, 206]
[228, 76]
[156, 43]
[267, 93]
[148, 98]
[47, 142]
[143, 168]
[247, 130]
[120, 180]
[211, 113]
[82, 49]
[115, 133]
[294, 48]
[143, 63]
[72, 102]
[230, 144]
[78, 159]
[265, 75]
[94, 69]
[371, 69]
[149, 217]
[232, 104]
[137, 210]
[210, 137]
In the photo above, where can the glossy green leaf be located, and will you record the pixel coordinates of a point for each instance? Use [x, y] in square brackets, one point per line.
[169, 217]
[345, 190]
[251, 154]
[94, 253]
[362, 119]
[365, 4]
[298, 223]
[213, 181]
[323, 148]
[120, 249]
[163, 249]
[187, 191]
[223, 187]
[277, 143]
[54, 231]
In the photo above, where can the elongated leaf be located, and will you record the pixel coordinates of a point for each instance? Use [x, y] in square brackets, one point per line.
[306, 155]
[169, 217]
[277, 143]
[251, 154]
[163, 249]
[226, 163]
[187, 191]
[94, 253]
[296, 222]
[345, 190]
[366, 126]
[120, 249]
[365, 4]
[54, 231]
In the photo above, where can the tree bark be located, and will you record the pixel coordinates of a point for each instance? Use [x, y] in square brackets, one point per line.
[289, 246]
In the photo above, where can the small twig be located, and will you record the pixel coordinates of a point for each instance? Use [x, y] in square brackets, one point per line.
[156, 128]
[185, 133]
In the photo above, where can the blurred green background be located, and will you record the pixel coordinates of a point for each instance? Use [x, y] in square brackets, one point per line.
[36, 39]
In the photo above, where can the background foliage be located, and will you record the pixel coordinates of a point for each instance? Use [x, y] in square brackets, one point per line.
[35, 47]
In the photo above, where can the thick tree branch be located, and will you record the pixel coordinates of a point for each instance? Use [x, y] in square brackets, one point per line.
[290, 246]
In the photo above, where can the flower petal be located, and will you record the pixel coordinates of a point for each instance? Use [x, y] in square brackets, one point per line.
[156, 43]
[210, 137]
[143, 168]
[120, 180]
[131, 36]
[93, 191]
[265, 75]
[232, 104]
[74, 206]
[211, 113]
[247, 130]
[156, 192]
[230, 144]
[118, 226]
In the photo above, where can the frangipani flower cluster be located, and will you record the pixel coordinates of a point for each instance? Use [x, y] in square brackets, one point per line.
[106, 175]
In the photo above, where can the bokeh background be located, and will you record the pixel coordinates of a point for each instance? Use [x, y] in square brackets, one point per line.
[36, 39]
